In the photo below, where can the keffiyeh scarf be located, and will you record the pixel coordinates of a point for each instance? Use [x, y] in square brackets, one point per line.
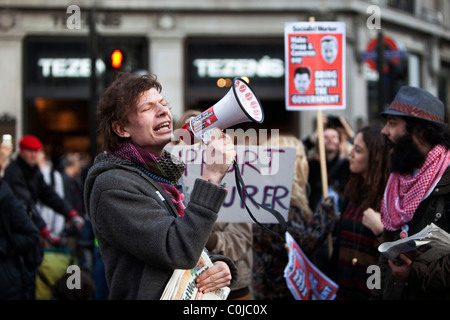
[404, 192]
[162, 169]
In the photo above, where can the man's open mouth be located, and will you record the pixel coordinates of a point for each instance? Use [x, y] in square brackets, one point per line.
[163, 126]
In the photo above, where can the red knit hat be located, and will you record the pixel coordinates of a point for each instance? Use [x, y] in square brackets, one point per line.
[30, 142]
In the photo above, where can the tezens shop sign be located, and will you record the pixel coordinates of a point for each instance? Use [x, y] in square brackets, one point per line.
[265, 67]
[261, 60]
[69, 67]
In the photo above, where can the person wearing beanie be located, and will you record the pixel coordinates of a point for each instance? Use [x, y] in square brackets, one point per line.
[27, 182]
[30, 142]
[417, 193]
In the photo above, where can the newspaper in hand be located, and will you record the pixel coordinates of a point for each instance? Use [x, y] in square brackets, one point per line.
[429, 244]
[182, 285]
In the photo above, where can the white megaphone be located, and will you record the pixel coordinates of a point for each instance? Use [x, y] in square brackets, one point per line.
[239, 105]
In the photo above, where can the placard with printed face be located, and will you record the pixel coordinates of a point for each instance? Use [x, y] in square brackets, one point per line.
[315, 65]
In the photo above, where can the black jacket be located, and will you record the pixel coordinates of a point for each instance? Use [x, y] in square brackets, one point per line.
[426, 281]
[18, 234]
[29, 186]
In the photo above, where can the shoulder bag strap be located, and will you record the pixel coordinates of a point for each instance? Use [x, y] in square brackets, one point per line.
[161, 194]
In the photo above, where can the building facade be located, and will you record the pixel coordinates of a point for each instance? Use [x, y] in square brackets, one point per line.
[45, 57]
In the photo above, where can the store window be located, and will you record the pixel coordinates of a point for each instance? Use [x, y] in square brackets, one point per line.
[57, 73]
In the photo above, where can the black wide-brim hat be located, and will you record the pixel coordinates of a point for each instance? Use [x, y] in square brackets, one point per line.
[417, 103]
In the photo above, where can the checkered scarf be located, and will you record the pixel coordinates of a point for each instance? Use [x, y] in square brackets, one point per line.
[404, 192]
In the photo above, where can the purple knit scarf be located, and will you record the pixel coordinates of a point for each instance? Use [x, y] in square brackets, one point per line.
[166, 171]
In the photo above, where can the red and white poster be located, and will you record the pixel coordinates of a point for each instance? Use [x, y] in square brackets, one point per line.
[303, 279]
[315, 65]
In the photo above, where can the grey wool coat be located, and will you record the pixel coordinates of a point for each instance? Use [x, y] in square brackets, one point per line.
[141, 241]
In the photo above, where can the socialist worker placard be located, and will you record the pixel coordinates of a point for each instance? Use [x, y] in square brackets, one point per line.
[315, 65]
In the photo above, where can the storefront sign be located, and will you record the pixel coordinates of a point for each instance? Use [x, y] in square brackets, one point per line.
[262, 61]
[69, 67]
[315, 65]
[61, 66]
[265, 67]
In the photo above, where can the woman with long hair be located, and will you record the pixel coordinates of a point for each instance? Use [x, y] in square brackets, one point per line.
[360, 227]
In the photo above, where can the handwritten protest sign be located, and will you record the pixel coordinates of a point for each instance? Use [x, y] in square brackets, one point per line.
[303, 279]
[266, 171]
[315, 65]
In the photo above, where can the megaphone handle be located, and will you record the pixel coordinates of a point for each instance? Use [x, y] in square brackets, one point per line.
[241, 188]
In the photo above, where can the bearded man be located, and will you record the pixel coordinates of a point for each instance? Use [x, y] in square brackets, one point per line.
[417, 193]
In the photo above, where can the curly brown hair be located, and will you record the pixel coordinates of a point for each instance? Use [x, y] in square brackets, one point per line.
[118, 101]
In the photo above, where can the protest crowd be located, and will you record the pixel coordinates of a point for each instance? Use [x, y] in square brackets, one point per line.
[126, 220]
